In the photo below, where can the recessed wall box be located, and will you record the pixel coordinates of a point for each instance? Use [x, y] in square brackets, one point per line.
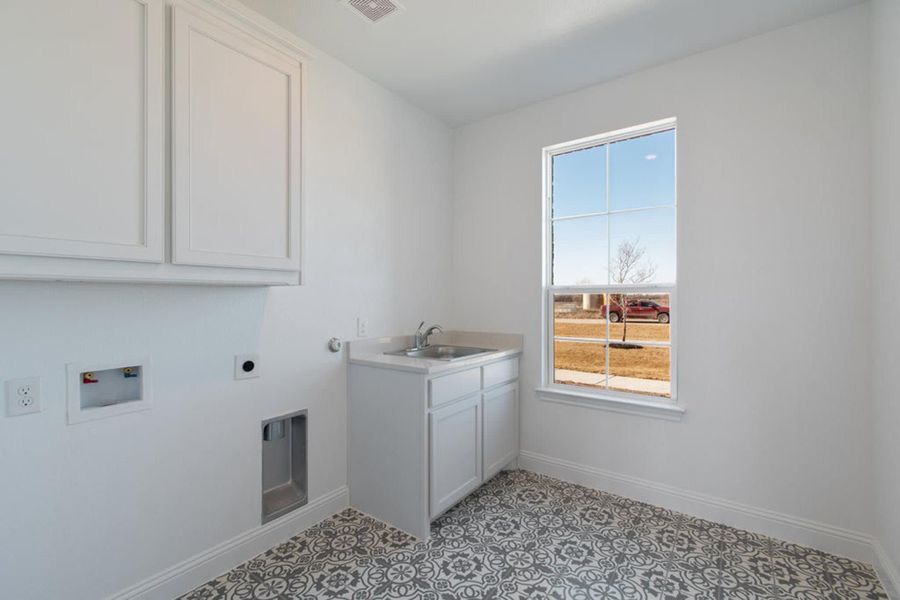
[283, 465]
[99, 390]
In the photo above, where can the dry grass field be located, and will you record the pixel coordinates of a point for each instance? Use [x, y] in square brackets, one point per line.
[637, 330]
[645, 363]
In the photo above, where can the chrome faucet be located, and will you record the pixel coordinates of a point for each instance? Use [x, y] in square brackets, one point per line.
[422, 336]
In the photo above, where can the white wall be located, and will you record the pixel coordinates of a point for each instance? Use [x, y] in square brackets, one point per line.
[885, 273]
[90, 509]
[773, 191]
[773, 225]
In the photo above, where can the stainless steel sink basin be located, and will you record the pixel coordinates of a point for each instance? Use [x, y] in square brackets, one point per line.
[438, 352]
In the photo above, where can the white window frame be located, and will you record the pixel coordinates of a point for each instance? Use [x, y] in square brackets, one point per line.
[613, 400]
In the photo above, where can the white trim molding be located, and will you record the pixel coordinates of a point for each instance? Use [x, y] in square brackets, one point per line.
[626, 405]
[202, 567]
[828, 538]
[238, 12]
[887, 571]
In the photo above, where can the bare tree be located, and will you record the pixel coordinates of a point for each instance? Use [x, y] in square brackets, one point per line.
[629, 267]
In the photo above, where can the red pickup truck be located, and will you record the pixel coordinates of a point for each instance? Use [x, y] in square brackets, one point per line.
[638, 309]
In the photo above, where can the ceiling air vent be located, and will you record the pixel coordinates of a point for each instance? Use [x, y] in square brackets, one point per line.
[374, 11]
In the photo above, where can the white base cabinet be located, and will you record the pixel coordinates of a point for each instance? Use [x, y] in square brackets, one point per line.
[418, 444]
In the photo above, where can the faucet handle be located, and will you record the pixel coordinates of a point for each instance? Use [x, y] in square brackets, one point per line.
[421, 325]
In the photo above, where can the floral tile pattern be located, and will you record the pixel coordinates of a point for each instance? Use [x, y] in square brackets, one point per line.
[523, 535]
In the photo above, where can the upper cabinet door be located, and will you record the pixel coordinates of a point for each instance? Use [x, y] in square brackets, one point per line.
[236, 147]
[81, 116]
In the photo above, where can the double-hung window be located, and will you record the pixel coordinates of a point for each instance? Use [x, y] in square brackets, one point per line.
[609, 277]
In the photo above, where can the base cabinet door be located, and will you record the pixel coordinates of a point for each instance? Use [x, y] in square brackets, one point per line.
[501, 427]
[455, 452]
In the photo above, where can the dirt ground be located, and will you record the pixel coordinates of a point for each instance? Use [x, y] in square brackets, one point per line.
[646, 363]
[637, 330]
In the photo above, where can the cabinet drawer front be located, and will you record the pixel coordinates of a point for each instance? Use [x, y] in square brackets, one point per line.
[450, 387]
[501, 372]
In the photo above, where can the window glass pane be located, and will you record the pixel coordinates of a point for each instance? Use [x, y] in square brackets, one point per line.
[639, 369]
[578, 316]
[638, 317]
[642, 171]
[642, 246]
[580, 251]
[577, 363]
[579, 182]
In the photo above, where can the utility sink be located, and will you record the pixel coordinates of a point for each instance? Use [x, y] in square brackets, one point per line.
[438, 352]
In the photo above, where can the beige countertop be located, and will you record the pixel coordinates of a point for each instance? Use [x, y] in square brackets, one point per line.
[371, 352]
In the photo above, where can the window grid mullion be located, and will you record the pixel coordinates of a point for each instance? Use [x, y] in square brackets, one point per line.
[617, 289]
[608, 259]
[582, 340]
[612, 212]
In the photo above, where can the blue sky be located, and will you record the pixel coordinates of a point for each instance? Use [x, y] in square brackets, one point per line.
[641, 174]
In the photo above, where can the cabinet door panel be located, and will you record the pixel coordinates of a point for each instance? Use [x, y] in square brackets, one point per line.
[455, 433]
[501, 426]
[81, 170]
[236, 149]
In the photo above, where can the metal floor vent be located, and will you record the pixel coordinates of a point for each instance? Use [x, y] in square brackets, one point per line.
[374, 11]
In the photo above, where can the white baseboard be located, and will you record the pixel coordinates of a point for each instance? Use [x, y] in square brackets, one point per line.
[828, 538]
[887, 571]
[187, 575]
[199, 569]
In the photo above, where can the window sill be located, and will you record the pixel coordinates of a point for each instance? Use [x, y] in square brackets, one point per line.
[630, 406]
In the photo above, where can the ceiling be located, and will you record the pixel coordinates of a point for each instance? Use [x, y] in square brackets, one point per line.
[463, 60]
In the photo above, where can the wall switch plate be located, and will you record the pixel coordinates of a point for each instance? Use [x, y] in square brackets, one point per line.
[246, 366]
[362, 327]
[23, 396]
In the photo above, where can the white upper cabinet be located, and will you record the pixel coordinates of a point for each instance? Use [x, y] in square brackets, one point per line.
[81, 116]
[236, 147]
[86, 139]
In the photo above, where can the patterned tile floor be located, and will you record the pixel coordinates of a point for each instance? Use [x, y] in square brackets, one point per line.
[528, 536]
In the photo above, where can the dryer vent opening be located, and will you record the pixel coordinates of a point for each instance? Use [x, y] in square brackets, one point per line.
[284, 467]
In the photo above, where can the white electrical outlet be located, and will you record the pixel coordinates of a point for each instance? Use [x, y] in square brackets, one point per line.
[246, 366]
[362, 327]
[23, 396]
